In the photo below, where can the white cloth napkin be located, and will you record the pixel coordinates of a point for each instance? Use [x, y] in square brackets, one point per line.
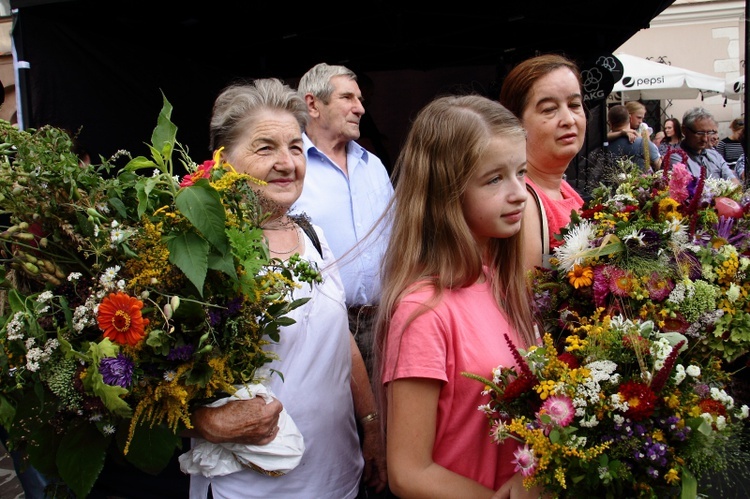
[278, 457]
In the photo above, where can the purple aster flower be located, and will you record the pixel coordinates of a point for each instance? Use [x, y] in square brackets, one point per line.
[543, 300]
[117, 371]
[233, 307]
[689, 263]
[181, 353]
[702, 390]
[724, 227]
[214, 317]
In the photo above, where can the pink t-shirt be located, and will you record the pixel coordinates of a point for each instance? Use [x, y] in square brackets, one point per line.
[463, 333]
[558, 210]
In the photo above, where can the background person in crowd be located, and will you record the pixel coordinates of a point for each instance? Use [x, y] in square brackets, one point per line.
[636, 112]
[325, 387]
[731, 147]
[713, 141]
[618, 119]
[673, 136]
[347, 189]
[739, 167]
[658, 137]
[453, 284]
[545, 93]
[698, 125]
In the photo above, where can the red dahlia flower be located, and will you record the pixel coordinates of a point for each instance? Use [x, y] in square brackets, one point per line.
[641, 400]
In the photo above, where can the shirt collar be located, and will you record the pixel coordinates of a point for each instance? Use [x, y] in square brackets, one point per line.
[352, 148]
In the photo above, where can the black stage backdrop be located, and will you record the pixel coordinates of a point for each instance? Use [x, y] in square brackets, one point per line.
[101, 67]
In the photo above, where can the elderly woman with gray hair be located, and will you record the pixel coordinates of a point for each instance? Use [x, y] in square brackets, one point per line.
[325, 388]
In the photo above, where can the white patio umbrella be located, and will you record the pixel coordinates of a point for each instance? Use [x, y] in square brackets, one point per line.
[735, 88]
[649, 80]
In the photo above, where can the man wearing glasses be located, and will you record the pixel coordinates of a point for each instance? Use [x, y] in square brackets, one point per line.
[698, 126]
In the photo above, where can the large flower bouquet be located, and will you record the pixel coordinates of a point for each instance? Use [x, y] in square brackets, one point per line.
[645, 307]
[617, 414]
[127, 298]
[665, 247]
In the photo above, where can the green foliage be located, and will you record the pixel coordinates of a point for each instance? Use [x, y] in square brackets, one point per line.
[197, 297]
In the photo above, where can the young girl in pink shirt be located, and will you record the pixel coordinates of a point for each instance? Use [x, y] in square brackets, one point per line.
[453, 284]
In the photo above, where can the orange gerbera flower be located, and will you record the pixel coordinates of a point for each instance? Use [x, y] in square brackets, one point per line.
[581, 276]
[120, 318]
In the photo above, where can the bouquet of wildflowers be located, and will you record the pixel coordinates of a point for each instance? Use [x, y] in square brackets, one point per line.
[664, 247]
[621, 412]
[644, 308]
[127, 298]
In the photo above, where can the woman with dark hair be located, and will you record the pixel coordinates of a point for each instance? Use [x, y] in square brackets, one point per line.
[673, 136]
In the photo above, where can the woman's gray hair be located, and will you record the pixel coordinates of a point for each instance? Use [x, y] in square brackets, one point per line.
[317, 80]
[237, 106]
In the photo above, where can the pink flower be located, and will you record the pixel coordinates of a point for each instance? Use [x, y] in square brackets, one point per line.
[525, 460]
[620, 282]
[659, 287]
[601, 285]
[560, 410]
[203, 171]
[681, 177]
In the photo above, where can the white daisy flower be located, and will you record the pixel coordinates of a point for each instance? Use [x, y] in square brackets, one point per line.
[577, 240]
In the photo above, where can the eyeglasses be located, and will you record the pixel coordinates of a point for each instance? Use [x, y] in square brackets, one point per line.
[708, 133]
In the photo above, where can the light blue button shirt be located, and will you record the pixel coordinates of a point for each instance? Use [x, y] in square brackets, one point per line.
[347, 208]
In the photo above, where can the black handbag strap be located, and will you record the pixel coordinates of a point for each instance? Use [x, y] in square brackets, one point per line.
[544, 226]
[304, 222]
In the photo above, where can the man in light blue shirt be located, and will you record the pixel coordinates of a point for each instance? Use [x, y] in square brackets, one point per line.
[698, 125]
[346, 191]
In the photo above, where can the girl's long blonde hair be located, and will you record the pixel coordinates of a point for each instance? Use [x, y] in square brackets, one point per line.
[431, 243]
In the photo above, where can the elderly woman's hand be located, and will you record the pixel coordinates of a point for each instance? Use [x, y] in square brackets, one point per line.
[250, 422]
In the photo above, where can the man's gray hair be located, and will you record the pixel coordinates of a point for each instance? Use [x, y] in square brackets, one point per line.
[317, 80]
[694, 114]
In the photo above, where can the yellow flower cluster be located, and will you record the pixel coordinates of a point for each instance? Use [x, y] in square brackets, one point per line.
[574, 342]
[545, 388]
[168, 402]
[728, 268]
[604, 223]
[668, 209]
[153, 262]
[232, 177]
